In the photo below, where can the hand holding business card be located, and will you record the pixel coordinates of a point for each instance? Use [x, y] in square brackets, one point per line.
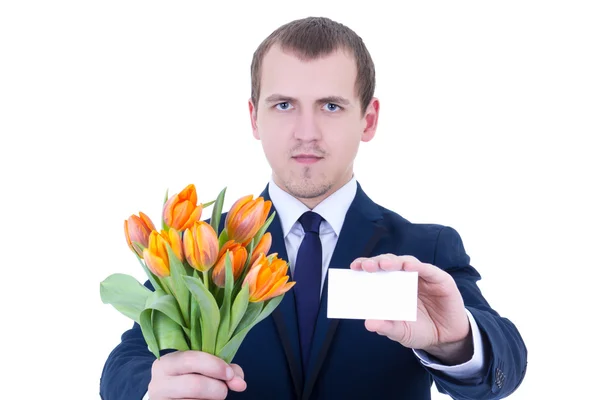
[382, 295]
[414, 303]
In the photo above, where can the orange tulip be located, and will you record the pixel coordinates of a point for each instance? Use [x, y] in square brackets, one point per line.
[237, 256]
[156, 255]
[182, 209]
[137, 229]
[263, 246]
[201, 246]
[268, 278]
[173, 238]
[246, 217]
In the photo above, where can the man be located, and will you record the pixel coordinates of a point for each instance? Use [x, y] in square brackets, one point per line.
[311, 106]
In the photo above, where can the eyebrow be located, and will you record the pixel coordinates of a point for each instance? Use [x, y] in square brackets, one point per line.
[277, 98]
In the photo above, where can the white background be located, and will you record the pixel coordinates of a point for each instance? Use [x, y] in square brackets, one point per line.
[489, 123]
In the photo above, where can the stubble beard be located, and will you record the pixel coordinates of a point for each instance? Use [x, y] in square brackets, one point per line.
[306, 186]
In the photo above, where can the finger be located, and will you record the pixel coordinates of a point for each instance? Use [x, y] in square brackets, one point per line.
[356, 265]
[371, 264]
[191, 386]
[237, 370]
[396, 263]
[427, 272]
[237, 384]
[194, 362]
[382, 262]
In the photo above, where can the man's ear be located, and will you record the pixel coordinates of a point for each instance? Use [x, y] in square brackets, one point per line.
[252, 110]
[371, 117]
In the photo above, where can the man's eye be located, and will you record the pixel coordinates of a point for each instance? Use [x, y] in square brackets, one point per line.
[331, 107]
[283, 106]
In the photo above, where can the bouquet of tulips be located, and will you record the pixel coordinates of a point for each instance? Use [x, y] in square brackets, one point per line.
[210, 287]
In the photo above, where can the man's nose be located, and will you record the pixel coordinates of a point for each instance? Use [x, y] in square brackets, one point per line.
[307, 127]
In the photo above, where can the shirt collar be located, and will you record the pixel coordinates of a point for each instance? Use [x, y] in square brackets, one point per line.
[333, 209]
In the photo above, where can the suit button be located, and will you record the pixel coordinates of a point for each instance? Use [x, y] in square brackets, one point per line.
[499, 378]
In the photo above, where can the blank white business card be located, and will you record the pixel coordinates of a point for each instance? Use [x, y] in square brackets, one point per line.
[383, 295]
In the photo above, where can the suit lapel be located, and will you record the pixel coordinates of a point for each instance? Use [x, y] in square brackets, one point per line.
[284, 316]
[359, 235]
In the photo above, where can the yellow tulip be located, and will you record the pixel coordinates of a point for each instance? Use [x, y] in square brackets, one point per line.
[156, 255]
[263, 246]
[173, 238]
[246, 217]
[237, 256]
[182, 209]
[268, 278]
[137, 229]
[201, 246]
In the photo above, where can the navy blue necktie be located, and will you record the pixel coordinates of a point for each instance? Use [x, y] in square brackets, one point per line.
[307, 274]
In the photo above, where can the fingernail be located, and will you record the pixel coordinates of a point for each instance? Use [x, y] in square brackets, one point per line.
[229, 373]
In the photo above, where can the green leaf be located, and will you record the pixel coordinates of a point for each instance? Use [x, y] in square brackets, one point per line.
[252, 312]
[189, 270]
[169, 333]
[210, 203]
[195, 322]
[250, 250]
[160, 331]
[218, 293]
[157, 284]
[178, 286]
[269, 307]
[238, 310]
[215, 219]
[209, 312]
[264, 228]
[223, 238]
[125, 294]
[228, 351]
[195, 332]
[167, 304]
[162, 220]
[223, 333]
[148, 332]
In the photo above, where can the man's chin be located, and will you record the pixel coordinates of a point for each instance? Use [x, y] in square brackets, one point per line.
[307, 188]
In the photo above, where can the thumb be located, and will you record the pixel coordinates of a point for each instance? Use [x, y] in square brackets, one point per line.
[394, 330]
[380, 326]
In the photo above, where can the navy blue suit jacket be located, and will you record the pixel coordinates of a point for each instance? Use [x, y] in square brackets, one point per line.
[347, 361]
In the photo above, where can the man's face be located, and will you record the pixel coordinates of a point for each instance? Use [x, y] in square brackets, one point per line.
[309, 121]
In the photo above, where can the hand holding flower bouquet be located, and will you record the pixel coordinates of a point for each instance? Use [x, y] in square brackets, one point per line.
[210, 287]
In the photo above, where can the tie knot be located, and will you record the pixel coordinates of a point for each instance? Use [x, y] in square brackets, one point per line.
[310, 221]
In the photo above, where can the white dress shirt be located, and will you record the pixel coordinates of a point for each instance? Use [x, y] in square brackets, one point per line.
[333, 210]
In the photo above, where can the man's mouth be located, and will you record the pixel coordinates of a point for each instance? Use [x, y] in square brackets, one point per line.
[307, 158]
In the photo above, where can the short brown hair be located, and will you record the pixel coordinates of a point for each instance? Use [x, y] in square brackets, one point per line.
[313, 37]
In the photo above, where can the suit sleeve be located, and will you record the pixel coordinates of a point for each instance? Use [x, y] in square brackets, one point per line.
[505, 354]
[126, 372]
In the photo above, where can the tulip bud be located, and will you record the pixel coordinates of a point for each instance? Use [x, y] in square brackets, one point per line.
[267, 278]
[182, 209]
[201, 246]
[263, 246]
[246, 217]
[137, 229]
[237, 256]
[173, 238]
[156, 255]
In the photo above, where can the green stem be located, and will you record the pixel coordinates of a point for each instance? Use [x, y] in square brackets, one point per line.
[206, 281]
